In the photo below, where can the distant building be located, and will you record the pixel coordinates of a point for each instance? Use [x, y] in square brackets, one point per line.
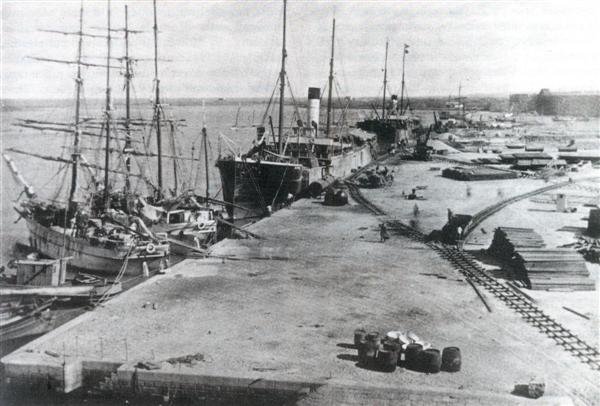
[568, 104]
[521, 103]
[547, 103]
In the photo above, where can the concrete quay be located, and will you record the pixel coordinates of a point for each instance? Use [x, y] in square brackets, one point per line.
[276, 317]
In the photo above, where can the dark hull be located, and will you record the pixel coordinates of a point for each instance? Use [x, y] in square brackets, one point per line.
[257, 184]
[85, 256]
[26, 327]
[387, 131]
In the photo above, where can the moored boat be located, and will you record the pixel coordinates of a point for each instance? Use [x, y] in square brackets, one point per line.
[25, 318]
[279, 168]
[395, 126]
[98, 238]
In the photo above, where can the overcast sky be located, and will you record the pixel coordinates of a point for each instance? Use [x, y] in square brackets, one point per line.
[232, 48]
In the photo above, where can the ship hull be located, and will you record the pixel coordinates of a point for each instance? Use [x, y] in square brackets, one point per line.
[257, 184]
[386, 131]
[95, 259]
[389, 132]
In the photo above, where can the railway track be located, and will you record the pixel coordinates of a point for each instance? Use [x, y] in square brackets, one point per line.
[363, 201]
[466, 265]
[479, 217]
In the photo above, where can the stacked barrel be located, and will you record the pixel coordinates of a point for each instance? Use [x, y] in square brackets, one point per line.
[387, 353]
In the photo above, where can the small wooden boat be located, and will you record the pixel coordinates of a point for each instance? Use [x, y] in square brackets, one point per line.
[18, 320]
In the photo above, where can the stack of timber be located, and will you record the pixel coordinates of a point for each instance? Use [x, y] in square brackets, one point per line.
[539, 267]
[477, 173]
[572, 158]
[553, 269]
[507, 240]
[531, 160]
[487, 161]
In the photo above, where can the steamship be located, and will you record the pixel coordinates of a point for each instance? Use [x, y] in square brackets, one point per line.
[281, 167]
[394, 126]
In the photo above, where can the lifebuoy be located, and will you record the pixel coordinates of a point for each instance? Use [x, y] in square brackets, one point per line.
[150, 248]
[200, 225]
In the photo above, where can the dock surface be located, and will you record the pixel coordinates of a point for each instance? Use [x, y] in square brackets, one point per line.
[278, 314]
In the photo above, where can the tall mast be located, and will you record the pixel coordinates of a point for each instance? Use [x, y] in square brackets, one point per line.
[402, 92]
[384, 79]
[172, 138]
[204, 141]
[282, 81]
[77, 132]
[127, 149]
[330, 90]
[107, 153]
[157, 103]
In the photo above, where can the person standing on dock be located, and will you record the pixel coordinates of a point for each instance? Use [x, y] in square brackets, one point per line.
[289, 200]
[383, 232]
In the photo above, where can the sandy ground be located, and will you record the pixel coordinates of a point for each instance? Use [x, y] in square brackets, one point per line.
[287, 306]
[441, 193]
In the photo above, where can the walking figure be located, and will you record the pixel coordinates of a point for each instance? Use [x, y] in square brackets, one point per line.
[383, 232]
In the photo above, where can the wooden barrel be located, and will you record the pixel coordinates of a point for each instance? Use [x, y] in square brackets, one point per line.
[359, 336]
[387, 360]
[367, 353]
[391, 345]
[430, 361]
[411, 356]
[363, 358]
[451, 360]
[373, 337]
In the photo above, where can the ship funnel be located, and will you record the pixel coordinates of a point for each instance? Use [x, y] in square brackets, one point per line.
[314, 101]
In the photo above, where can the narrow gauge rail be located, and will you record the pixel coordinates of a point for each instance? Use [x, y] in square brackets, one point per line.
[465, 264]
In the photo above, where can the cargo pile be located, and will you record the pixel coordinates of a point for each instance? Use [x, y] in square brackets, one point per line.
[474, 173]
[588, 247]
[508, 239]
[408, 351]
[552, 269]
[376, 178]
[541, 269]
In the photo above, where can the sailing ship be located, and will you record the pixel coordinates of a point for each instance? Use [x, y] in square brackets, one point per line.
[281, 168]
[189, 226]
[394, 126]
[88, 228]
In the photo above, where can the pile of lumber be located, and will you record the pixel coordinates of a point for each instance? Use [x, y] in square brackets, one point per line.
[475, 173]
[541, 268]
[552, 269]
[508, 239]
